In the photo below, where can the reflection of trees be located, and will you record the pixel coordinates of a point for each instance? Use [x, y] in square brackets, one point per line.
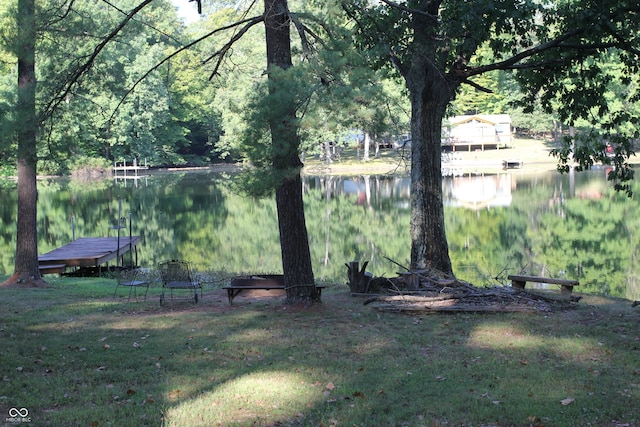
[484, 244]
[591, 243]
[175, 217]
[179, 217]
[352, 232]
[197, 216]
[378, 191]
[592, 240]
[632, 271]
[8, 212]
[478, 191]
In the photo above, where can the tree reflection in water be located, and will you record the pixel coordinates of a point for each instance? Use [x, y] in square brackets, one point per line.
[572, 226]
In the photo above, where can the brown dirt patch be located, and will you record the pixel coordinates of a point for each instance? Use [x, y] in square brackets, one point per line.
[216, 301]
[16, 282]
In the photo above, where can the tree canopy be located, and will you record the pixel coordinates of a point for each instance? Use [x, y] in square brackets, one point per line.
[556, 50]
[179, 115]
[116, 81]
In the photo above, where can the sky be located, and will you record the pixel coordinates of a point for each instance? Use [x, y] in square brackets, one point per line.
[186, 10]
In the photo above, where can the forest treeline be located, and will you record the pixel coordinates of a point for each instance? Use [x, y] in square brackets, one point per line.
[146, 97]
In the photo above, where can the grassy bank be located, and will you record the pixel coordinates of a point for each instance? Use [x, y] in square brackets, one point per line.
[535, 155]
[71, 355]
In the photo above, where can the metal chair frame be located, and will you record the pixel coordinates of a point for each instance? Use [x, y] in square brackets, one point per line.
[177, 274]
[130, 278]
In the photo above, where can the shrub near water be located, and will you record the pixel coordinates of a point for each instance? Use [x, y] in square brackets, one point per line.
[73, 356]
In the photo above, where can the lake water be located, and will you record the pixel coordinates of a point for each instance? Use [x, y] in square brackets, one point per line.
[573, 226]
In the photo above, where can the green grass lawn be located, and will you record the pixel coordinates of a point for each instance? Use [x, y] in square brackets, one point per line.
[74, 357]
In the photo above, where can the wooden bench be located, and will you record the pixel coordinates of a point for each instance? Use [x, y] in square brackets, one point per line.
[263, 282]
[519, 282]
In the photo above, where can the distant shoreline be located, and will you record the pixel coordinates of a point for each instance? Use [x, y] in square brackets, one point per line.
[535, 156]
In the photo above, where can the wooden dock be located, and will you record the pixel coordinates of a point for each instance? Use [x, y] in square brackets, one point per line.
[87, 252]
[126, 169]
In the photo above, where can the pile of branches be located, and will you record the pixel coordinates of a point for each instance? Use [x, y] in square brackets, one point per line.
[432, 291]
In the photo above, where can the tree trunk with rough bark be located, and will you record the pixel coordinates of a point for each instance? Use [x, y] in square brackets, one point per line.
[26, 271]
[294, 243]
[430, 92]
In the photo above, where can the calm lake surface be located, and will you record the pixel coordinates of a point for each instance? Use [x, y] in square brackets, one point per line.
[573, 226]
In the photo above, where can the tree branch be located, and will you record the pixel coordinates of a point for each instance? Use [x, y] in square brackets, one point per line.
[80, 71]
[512, 63]
[477, 86]
[562, 42]
[303, 30]
[622, 43]
[227, 46]
[222, 52]
[67, 10]
[164, 33]
[199, 6]
[395, 60]
[537, 64]
[409, 10]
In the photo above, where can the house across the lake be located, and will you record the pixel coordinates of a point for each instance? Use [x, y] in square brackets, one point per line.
[477, 132]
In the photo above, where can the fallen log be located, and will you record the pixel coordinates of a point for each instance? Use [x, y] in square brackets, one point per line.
[409, 298]
[415, 309]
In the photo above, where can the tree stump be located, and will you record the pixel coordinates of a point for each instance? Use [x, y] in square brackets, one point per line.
[358, 278]
[408, 281]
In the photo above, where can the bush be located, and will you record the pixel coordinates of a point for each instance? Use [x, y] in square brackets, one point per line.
[88, 167]
[8, 170]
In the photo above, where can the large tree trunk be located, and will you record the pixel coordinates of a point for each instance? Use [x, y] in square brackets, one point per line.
[26, 272]
[430, 92]
[294, 242]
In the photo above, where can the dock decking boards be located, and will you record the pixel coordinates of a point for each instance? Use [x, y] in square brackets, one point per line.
[89, 251]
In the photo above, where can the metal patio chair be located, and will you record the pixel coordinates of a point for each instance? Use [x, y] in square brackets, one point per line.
[177, 274]
[132, 279]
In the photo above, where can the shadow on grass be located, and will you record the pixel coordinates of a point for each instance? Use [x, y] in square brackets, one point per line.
[87, 360]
